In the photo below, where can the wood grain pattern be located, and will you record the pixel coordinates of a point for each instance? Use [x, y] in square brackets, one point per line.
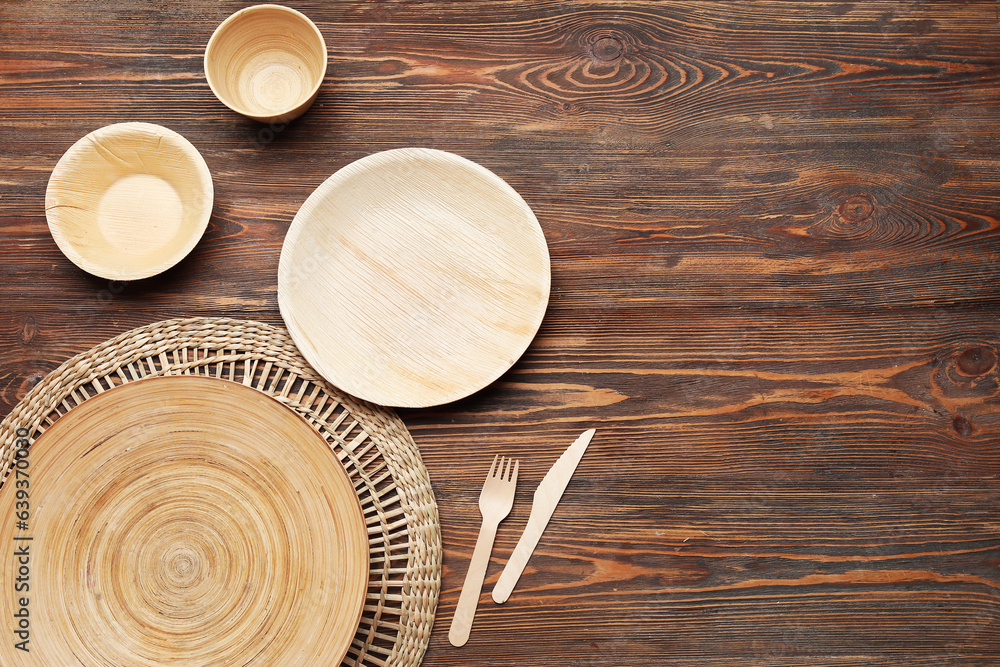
[775, 240]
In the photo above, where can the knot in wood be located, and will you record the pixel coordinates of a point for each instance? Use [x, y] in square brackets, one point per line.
[608, 49]
[962, 426]
[29, 330]
[856, 209]
[976, 361]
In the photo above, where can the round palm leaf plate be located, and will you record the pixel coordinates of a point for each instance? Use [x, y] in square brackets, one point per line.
[413, 277]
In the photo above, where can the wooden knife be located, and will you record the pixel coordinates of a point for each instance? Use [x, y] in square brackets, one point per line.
[546, 498]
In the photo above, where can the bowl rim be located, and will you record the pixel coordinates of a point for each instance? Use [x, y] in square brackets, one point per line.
[217, 36]
[103, 270]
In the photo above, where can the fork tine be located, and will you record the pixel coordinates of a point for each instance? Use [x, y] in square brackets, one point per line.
[494, 466]
[513, 476]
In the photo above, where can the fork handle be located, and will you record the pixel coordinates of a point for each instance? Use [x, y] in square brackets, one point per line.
[461, 625]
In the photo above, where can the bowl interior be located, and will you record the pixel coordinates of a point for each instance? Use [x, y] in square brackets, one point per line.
[129, 200]
[266, 60]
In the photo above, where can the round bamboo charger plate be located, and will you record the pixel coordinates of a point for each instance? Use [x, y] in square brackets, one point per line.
[413, 277]
[185, 519]
[384, 467]
[129, 200]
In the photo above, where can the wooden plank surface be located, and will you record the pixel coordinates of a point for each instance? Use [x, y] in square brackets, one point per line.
[775, 235]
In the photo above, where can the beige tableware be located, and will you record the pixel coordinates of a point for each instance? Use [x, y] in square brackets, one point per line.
[495, 501]
[181, 520]
[546, 498]
[378, 453]
[129, 200]
[413, 277]
[266, 62]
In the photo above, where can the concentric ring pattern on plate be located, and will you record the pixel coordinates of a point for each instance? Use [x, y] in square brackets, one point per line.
[182, 520]
[413, 277]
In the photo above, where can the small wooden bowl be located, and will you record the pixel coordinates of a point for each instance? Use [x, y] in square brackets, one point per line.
[129, 201]
[266, 62]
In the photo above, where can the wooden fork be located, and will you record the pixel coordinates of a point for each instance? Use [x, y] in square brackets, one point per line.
[495, 502]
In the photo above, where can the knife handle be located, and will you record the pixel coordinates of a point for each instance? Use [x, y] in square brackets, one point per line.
[518, 559]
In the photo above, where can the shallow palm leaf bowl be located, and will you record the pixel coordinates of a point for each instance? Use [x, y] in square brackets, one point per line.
[129, 200]
[182, 520]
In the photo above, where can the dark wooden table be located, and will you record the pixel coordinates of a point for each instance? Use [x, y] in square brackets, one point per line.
[775, 241]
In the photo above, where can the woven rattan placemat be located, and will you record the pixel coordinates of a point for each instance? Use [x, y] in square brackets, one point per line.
[373, 444]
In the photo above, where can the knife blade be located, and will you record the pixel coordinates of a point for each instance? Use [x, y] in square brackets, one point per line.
[546, 497]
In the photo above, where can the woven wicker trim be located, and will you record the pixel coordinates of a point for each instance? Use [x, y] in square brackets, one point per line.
[372, 442]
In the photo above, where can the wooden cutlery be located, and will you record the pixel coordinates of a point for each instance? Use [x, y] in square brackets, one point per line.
[546, 498]
[495, 502]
